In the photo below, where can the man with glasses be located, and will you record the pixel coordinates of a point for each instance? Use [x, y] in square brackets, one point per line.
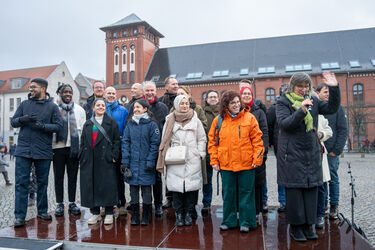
[38, 117]
[98, 89]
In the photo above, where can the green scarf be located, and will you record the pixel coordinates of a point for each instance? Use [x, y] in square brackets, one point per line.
[297, 103]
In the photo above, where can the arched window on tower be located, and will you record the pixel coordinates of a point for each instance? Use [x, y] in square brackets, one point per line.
[115, 78]
[132, 58]
[132, 76]
[116, 59]
[270, 95]
[357, 93]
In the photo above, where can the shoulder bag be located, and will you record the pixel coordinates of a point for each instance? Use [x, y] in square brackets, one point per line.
[176, 155]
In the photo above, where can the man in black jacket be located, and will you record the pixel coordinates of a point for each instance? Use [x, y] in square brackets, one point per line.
[160, 111]
[335, 146]
[171, 87]
[98, 89]
[38, 117]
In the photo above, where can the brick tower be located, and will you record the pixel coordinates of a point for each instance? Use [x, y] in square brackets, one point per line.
[131, 43]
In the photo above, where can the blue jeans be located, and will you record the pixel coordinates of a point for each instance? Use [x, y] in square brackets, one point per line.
[322, 200]
[23, 166]
[265, 190]
[207, 188]
[334, 184]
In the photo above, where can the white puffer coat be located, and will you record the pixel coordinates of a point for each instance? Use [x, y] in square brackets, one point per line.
[187, 177]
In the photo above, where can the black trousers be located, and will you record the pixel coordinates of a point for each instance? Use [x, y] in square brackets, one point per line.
[258, 198]
[96, 210]
[184, 202]
[61, 158]
[146, 194]
[301, 205]
[120, 186]
[157, 190]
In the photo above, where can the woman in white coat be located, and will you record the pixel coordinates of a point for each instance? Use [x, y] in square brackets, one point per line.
[183, 180]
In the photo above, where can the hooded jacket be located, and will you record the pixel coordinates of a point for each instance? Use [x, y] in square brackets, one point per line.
[34, 143]
[240, 143]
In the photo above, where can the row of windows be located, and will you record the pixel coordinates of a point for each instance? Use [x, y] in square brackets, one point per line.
[125, 33]
[11, 103]
[124, 77]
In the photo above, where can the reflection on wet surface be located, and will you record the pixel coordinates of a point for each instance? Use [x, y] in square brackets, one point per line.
[272, 233]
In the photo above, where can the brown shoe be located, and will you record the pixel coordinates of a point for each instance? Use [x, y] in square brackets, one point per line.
[8, 184]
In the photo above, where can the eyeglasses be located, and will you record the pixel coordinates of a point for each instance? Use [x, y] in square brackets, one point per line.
[213, 97]
[244, 93]
[303, 86]
[98, 88]
[234, 103]
[33, 87]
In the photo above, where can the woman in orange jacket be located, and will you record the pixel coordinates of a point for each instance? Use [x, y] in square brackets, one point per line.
[236, 154]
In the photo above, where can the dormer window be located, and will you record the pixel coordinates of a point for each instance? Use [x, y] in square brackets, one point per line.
[135, 31]
[114, 35]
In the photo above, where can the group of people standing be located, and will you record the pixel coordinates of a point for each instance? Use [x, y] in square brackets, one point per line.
[111, 144]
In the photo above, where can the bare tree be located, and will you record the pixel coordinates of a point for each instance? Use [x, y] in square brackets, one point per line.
[360, 116]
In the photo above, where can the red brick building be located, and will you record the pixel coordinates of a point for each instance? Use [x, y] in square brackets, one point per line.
[133, 55]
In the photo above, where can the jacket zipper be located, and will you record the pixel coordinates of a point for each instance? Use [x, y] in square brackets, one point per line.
[239, 131]
[260, 153]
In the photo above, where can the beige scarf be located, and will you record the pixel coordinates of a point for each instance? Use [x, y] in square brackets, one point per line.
[176, 116]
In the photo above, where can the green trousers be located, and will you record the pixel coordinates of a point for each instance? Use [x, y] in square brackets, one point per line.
[244, 182]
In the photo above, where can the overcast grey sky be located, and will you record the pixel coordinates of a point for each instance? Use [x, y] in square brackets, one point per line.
[45, 32]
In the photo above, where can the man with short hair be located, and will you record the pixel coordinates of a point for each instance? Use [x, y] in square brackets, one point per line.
[136, 92]
[98, 89]
[38, 117]
[171, 87]
[160, 111]
[66, 148]
[120, 114]
[335, 145]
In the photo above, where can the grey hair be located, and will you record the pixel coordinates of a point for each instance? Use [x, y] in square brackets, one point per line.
[298, 78]
[148, 82]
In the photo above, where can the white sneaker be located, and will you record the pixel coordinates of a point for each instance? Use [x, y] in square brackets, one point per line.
[94, 219]
[122, 210]
[108, 219]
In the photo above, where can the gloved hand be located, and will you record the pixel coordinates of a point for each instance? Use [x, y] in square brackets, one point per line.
[123, 167]
[39, 125]
[28, 118]
[148, 168]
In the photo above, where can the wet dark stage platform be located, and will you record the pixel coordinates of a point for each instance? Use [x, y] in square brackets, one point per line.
[272, 233]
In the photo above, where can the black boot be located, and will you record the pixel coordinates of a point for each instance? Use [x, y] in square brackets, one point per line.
[146, 210]
[309, 232]
[59, 210]
[179, 220]
[296, 233]
[135, 214]
[188, 219]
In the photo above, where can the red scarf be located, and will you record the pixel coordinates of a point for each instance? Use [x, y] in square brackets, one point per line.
[151, 102]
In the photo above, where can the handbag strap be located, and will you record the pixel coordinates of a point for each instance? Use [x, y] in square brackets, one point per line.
[101, 129]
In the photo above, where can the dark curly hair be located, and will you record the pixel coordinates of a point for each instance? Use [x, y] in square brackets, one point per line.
[227, 97]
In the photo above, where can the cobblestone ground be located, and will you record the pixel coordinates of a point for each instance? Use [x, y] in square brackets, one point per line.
[363, 170]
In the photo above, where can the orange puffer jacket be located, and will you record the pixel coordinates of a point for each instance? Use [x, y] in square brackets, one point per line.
[240, 143]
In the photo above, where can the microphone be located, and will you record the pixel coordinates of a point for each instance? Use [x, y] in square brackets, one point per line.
[306, 96]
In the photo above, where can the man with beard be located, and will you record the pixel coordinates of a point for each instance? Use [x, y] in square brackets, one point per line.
[171, 87]
[38, 117]
[119, 114]
[136, 93]
[211, 110]
[66, 147]
[98, 89]
[160, 111]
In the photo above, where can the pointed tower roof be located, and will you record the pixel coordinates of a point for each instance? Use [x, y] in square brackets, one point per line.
[131, 20]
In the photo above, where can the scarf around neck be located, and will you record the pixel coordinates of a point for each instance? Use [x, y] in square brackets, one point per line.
[176, 116]
[137, 118]
[296, 101]
[69, 120]
[110, 107]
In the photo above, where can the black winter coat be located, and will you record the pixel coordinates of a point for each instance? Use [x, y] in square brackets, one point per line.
[34, 143]
[339, 127]
[160, 111]
[273, 127]
[299, 162]
[88, 106]
[98, 172]
[168, 99]
[260, 172]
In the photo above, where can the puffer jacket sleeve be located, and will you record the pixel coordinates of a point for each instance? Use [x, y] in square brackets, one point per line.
[256, 141]
[116, 141]
[341, 132]
[154, 144]
[271, 119]
[15, 121]
[201, 139]
[212, 148]
[57, 123]
[126, 146]
[333, 103]
[324, 128]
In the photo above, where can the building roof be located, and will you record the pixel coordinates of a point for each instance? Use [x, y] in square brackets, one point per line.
[132, 19]
[266, 57]
[21, 78]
